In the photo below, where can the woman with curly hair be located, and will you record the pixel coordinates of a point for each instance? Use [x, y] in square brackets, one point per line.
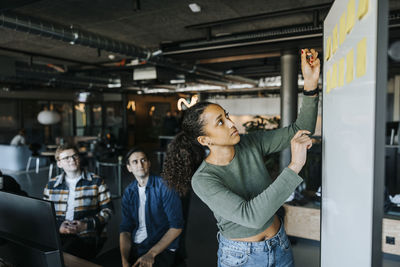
[232, 178]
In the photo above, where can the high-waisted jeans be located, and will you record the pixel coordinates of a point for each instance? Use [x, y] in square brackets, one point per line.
[275, 252]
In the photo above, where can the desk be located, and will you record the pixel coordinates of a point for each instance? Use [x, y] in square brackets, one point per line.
[73, 261]
[304, 222]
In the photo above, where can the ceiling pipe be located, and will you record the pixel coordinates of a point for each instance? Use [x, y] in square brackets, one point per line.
[69, 34]
[76, 36]
[263, 16]
[298, 32]
[43, 56]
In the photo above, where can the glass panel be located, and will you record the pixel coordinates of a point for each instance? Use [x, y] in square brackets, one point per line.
[65, 127]
[97, 117]
[34, 130]
[82, 118]
[114, 115]
[8, 120]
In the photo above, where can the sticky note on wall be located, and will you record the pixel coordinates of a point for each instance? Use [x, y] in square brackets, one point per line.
[328, 81]
[328, 50]
[334, 40]
[350, 66]
[361, 57]
[351, 14]
[363, 6]
[334, 76]
[342, 28]
[341, 72]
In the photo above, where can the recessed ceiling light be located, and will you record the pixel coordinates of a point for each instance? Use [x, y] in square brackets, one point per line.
[219, 34]
[194, 7]
[175, 81]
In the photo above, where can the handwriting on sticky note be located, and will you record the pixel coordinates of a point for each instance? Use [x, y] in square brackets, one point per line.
[341, 72]
[362, 8]
[334, 40]
[361, 57]
[342, 28]
[350, 66]
[351, 10]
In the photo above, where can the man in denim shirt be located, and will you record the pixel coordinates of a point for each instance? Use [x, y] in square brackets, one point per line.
[151, 217]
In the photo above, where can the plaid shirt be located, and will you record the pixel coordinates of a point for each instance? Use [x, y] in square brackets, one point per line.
[92, 202]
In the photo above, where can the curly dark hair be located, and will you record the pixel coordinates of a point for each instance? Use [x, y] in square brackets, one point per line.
[184, 153]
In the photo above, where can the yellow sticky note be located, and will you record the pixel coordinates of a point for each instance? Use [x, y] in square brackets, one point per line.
[341, 72]
[328, 49]
[362, 8]
[342, 28]
[334, 76]
[334, 40]
[361, 57]
[328, 81]
[350, 66]
[351, 14]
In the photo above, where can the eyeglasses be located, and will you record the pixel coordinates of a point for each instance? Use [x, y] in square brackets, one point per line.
[67, 158]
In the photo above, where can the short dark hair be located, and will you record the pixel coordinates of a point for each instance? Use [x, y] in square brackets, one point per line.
[135, 150]
[64, 147]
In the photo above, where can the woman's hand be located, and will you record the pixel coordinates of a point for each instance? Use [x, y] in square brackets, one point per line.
[310, 68]
[299, 145]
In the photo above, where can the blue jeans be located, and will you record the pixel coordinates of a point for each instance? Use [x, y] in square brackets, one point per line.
[275, 252]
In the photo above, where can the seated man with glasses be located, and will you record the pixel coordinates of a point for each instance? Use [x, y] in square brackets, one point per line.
[82, 203]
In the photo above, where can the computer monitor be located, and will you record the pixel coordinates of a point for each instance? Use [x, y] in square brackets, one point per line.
[29, 232]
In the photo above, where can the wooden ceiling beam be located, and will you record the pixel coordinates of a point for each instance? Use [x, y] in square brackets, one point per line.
[237, 58]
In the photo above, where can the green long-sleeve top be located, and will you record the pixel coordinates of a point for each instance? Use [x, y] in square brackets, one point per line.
[242, 194]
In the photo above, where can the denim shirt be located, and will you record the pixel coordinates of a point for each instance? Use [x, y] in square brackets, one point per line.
[163, 211]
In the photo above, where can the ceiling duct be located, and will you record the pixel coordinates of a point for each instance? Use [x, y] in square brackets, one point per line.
[69, 34]
[299, 32]
[84, 38]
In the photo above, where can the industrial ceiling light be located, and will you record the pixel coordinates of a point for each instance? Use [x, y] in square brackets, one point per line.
[176, 81]
[156, 53]
[195, 7]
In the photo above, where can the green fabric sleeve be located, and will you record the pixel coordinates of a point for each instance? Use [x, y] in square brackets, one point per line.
[279, 139]
[253, 213]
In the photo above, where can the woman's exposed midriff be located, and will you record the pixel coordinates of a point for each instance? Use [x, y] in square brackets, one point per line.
[268, 233]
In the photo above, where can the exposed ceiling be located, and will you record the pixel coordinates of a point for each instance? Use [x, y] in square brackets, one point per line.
[97, 44]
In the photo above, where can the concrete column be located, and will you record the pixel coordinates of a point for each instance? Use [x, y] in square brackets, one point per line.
[289, 95]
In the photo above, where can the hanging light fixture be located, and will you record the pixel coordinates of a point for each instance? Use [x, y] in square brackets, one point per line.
[48, 117]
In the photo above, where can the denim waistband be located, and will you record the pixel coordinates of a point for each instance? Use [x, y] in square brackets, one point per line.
[278, 239]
